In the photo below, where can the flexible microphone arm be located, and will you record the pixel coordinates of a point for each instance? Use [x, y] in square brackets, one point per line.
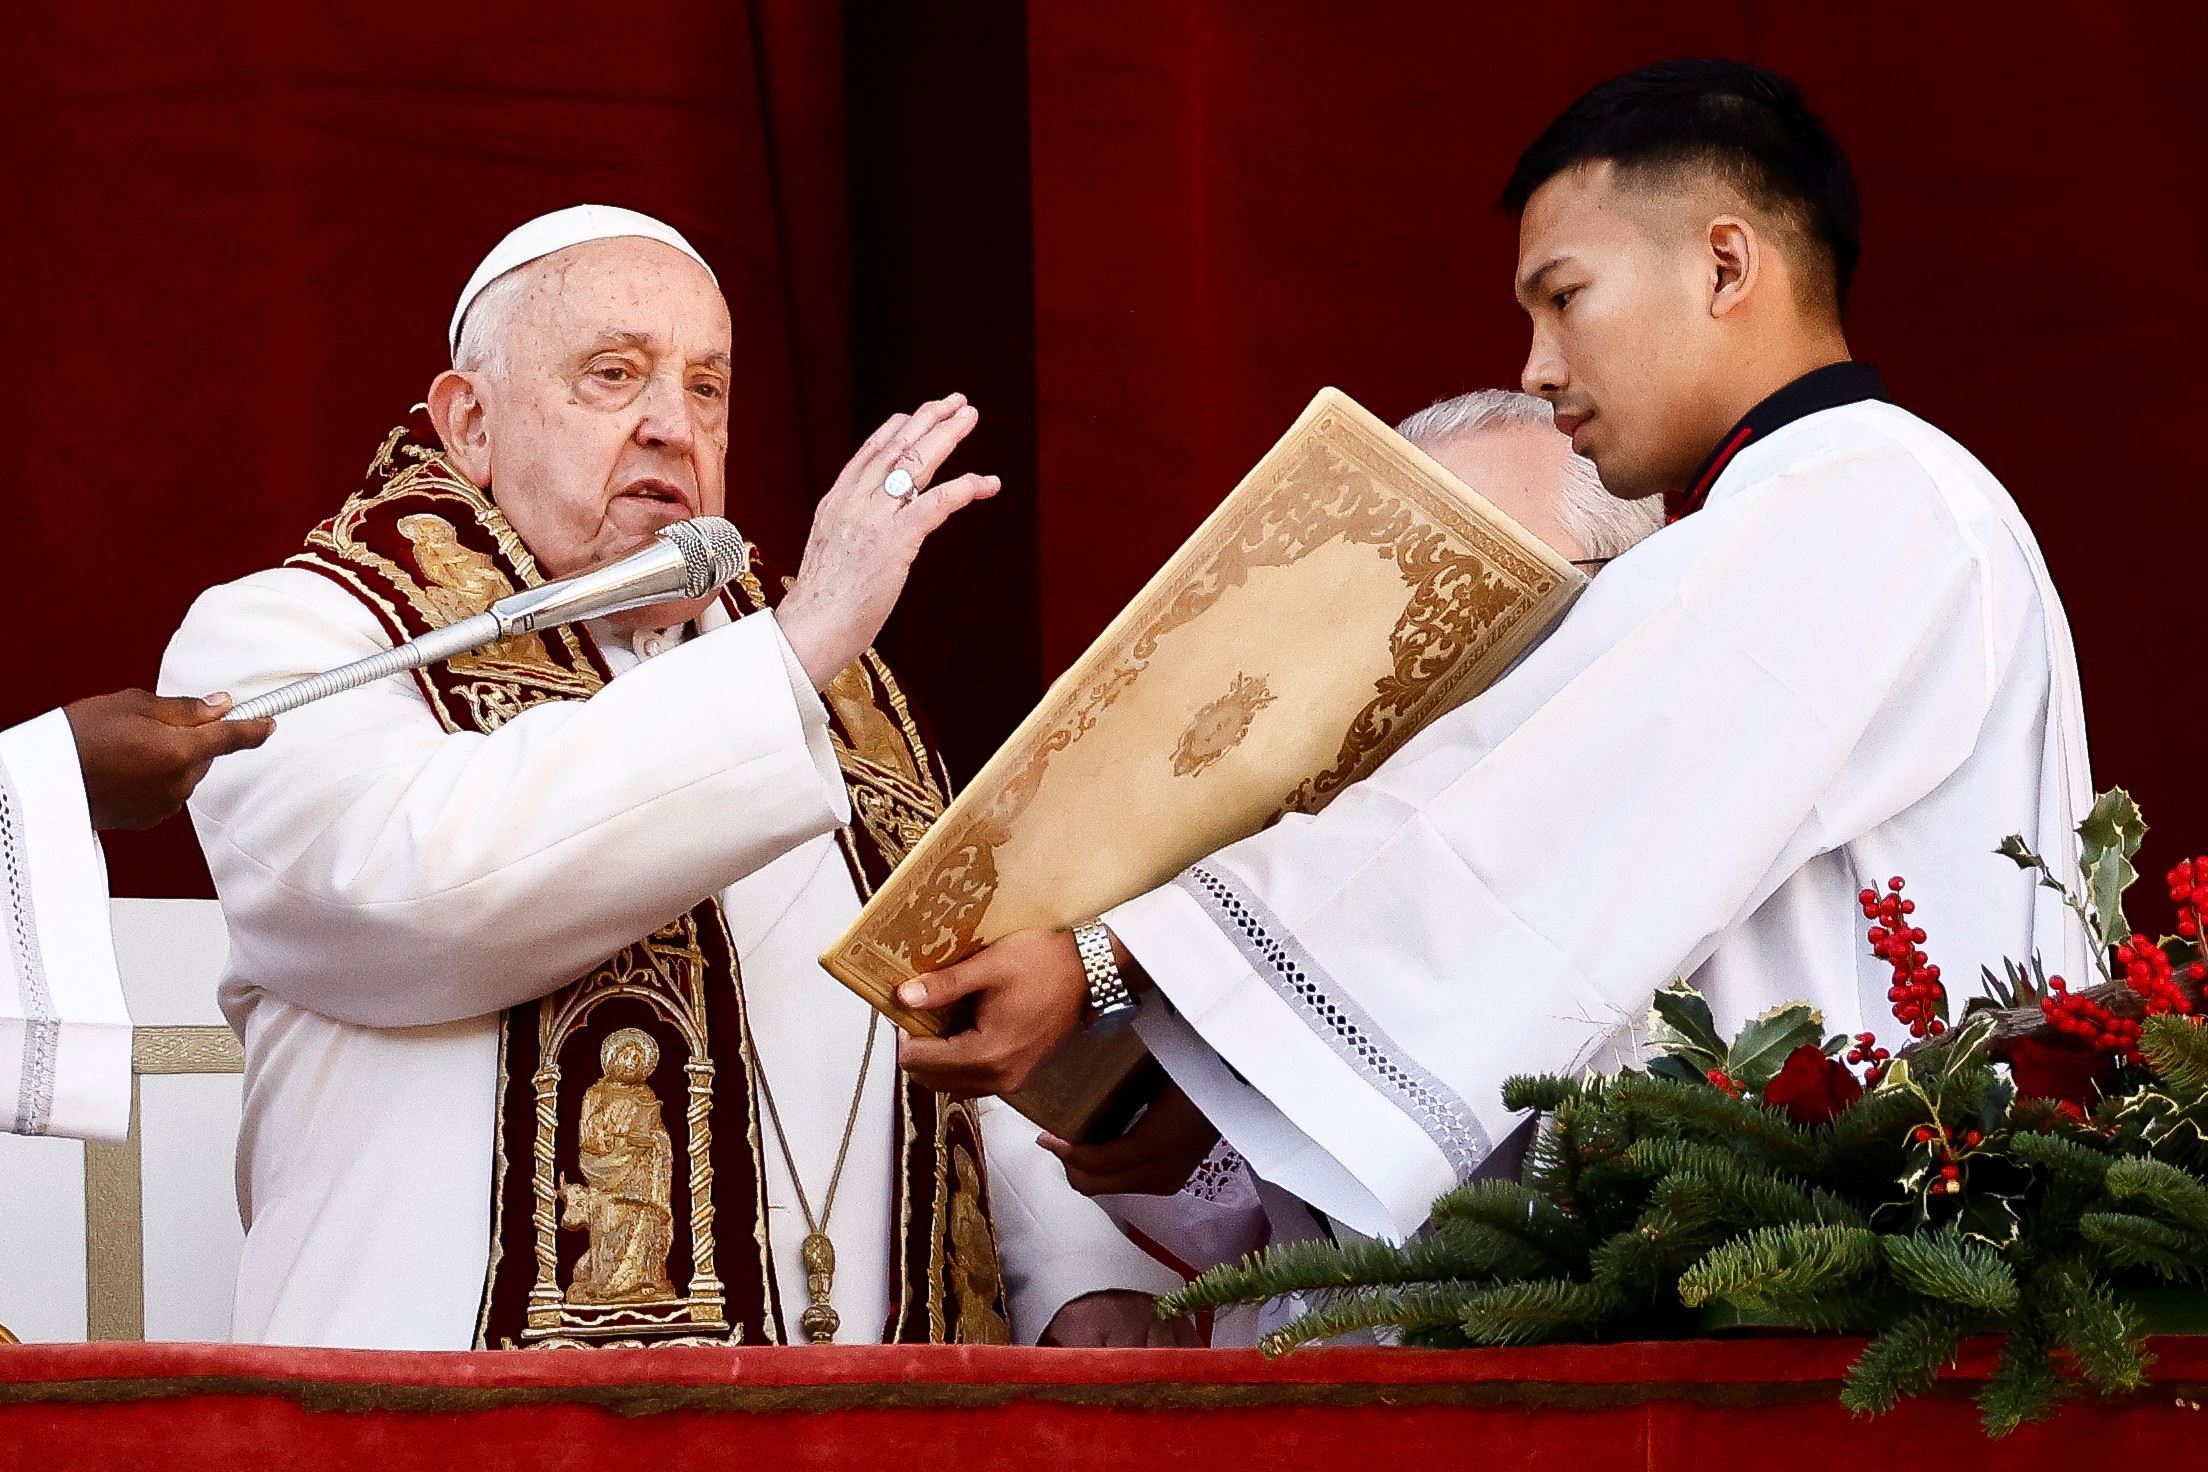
[688, 560]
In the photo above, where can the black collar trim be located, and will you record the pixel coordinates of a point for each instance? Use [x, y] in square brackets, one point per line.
[1819, 389]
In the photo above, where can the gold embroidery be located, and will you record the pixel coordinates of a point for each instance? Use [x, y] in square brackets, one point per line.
[977, 1281]
[666, 974]
[460, 582]
[1220, 726]
[524, 664]
[625, 1200]
[873, 736]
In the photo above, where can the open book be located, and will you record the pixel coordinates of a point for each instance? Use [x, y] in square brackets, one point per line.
[1346, 593]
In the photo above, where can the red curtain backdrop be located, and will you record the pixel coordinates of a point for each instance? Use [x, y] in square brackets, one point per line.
[1141, 235]
[1235, 204]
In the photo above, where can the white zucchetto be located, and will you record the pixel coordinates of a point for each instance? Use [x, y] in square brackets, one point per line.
[576, 225]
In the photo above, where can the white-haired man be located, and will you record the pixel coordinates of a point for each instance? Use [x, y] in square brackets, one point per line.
[1532, 476]
[523, 947]
[1505, 445]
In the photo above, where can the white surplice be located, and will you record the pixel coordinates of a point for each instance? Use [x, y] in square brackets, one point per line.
[391, 888]
[1849, 665]
[64, 1031]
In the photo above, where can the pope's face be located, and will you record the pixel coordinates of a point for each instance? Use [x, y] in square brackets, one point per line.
[1618, 285]
[610, 417]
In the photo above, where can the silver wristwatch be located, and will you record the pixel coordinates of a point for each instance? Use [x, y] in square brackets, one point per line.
[1114, 1004]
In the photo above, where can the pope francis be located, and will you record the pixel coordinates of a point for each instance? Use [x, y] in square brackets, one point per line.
[522, 946]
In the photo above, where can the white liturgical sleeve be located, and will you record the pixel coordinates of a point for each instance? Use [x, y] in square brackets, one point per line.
[64, 1034]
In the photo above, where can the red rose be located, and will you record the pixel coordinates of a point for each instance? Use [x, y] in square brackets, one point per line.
[2060, 1068]
[1812, 1088]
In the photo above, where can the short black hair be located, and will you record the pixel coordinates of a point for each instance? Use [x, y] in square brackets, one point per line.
[1741, 122]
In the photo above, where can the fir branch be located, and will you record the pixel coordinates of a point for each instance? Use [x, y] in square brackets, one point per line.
[2102, 1335]
[1782, 1268]
[1518, 1209]
[2175, 1195]
[2025, 1385]
[2132, 1241]
[1881, 1117]
[1645, 1259]
[2177, 1050]
[1716, 1183]
[1544, 1092]
[1948, 1268]
[1539, 1312]
[2061, 1157]
[1464, 1250]
[1904, 1360]
[1419, 1307]
[1706, 1111]
[1578, 1164]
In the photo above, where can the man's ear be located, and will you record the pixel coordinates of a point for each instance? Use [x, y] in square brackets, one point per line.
[456, 408]
[1735, 260]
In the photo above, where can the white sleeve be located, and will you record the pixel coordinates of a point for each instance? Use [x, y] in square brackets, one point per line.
[1347, 992]
[1056, 1244]
[379, 870]
[64, 1033]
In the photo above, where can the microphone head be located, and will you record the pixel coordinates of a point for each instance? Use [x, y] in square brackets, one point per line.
[713, 552]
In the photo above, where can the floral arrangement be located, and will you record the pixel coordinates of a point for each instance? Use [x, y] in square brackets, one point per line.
[2034, 1169]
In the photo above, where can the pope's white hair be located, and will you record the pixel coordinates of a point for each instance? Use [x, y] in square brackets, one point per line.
[1606, 525]
[483, 332]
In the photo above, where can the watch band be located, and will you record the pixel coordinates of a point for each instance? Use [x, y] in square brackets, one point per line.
[1113, 1003]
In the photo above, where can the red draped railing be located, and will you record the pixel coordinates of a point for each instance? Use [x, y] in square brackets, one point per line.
[1734, 1405]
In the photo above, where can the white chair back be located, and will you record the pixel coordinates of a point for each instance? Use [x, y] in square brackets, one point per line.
[138, 1240]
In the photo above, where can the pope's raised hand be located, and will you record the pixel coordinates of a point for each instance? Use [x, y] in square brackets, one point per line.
[864, 539]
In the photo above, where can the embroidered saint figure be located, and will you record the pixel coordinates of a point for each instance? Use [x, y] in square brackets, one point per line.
[459, 582]
[625, 1199]
[976, 1280]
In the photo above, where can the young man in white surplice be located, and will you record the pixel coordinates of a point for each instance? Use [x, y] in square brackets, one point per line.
[1842, 660]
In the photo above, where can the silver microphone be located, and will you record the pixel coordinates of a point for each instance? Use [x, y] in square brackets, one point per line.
[688, 559]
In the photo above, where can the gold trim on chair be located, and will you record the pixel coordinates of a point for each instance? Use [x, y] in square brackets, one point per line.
[114, 1182]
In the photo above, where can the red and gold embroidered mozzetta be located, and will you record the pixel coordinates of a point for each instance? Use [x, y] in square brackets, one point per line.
[627, 1198]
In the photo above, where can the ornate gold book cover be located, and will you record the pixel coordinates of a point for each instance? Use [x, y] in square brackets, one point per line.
[1345, 594]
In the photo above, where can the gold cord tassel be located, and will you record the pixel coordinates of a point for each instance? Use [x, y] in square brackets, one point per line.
[819, 1320]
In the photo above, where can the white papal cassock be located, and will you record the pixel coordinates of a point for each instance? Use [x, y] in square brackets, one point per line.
[64, 1033]
[391, 889]
[1849, 665]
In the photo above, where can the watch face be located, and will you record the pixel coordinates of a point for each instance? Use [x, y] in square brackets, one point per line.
[1111, 1019]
